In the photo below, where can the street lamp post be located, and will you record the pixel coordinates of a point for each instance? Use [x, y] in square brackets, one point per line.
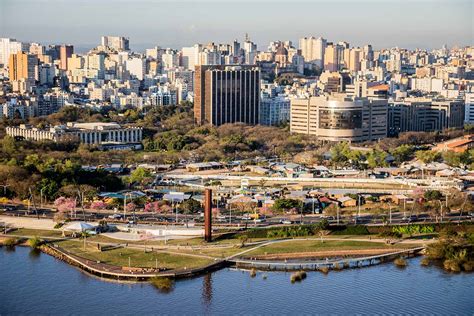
[124, 206]
[390, 214]
[41, 197]
[358, 204]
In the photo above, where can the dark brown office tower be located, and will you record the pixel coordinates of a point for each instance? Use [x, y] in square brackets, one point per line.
[65, 52]
[226, 94]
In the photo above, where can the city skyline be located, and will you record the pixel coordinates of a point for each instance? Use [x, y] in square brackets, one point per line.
[382, 24]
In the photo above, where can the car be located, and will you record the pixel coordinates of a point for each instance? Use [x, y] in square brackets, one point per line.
[412, 218]
[285, 221]
[115, 216]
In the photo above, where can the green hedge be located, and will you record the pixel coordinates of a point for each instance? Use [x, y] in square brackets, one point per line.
[350, 230]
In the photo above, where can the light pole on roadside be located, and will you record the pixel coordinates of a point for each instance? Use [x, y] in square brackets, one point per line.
[125, 204]
[41, 198]
[358, 204]
[390, 212]
[4, 188]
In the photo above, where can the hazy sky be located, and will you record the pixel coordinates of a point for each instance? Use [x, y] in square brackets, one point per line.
[177, 23]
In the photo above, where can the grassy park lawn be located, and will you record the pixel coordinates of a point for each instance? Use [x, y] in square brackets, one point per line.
[216, 252]
[316, 245]
[138, 258]
[36, 232]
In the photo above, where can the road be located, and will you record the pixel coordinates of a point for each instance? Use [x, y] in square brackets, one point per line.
[150, 218]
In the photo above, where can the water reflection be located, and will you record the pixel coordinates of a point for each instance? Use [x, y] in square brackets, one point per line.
[207, 289]
[34, 254]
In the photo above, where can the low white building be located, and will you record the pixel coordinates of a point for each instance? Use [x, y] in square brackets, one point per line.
[88, 133]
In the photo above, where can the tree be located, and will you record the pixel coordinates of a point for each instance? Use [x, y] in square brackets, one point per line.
[427, 156]
[339, 153]
[403, 153]
[48, 188]
[451, 158]
[98, 205]
[63, 204]
[9, 145]
[377, 158]
[190, 206]
[432, 195]
[139, 175]
[152, 207]
[285, 205]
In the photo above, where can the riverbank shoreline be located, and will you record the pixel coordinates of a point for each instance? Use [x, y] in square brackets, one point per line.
[307, 263]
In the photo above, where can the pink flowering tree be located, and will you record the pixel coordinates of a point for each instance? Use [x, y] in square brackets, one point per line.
[98, 205]
[131, 206]
[64, 204]
[153, 207]
[216, 212]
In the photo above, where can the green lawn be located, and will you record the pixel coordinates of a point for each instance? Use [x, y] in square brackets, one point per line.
[138, 258]
[36, 232]
[328, 245]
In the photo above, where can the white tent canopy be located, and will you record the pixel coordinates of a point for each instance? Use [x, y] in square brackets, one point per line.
[79, 226]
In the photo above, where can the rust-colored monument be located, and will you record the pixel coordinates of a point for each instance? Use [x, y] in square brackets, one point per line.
[208, 215]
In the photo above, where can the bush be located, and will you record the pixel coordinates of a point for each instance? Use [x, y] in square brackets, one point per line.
[390, 235]
[425, 261]
[452, 265]
[400, 262]
[337, 266]
[35, 242]
[58, 225]
[297, 276]
[10, 242]
[414, 229]
[436, 251]
[468, 266]
[164, 285]
[253, 273]
[285, 232]
[324, 270]
[353, 230]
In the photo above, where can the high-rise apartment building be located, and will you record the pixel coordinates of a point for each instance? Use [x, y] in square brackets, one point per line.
[65, 52]
[190, 56]
[354, 59]
[226, 94]
[312, 49]
[10, 46]
[333, 57]
[118, 43]
[23, 66]
[339, 118]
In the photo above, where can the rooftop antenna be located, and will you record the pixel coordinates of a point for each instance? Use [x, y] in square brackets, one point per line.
[247, 38]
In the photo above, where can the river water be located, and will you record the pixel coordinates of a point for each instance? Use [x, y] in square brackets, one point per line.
[37, 284]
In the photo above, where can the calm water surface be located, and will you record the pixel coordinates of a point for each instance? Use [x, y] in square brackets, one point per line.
[37, 284]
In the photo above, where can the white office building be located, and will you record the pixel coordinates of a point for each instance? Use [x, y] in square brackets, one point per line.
[469, 107]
